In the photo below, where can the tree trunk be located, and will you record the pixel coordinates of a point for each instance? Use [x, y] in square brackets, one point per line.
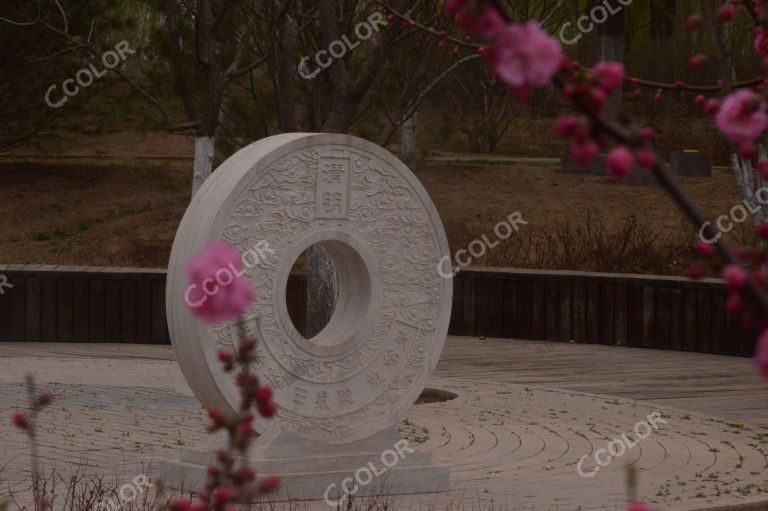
[408, 146]
[322, 289]
[749, 184]
[203, 165]
[612, 37]
[284, 50]
[724, 60]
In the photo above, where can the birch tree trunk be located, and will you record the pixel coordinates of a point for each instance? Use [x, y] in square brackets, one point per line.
[203, 164]
[749, 184]
[408, 147]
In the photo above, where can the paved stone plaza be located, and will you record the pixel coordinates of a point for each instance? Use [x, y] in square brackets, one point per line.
[526, 412]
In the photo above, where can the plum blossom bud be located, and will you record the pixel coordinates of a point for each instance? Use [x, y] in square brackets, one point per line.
[20, 421]
[761, 355]
[747, 151]
[610, 76]
[264, 395]
[217, 418]
[692, 23]
[270, 484]
[221, 497]
[620, 162]
[584, 153]
[267, 410]
[567, 126]
[735, 304]
[711, 106]
[726, 13]
[648, 134]
[645, 158]
[248, 345]
[695, 271]
[735, 277]
[762, 169]
[599, 98]
[181, 505]
[705, 249]
[700, 99]
[696, 62]
[44, 399]
[246, 474]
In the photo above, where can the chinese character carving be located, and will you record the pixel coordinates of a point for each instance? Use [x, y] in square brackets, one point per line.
[333, 171]
[391, 357]
[300, 395]
[345, 396]
[321, 400]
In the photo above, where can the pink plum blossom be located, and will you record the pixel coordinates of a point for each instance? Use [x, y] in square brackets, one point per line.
[742, 117]
[620, 162]
[525, 55]
[761, 355]
[218, 291]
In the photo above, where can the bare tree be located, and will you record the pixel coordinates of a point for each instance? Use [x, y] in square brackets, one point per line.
[484, 106]
[203, 60]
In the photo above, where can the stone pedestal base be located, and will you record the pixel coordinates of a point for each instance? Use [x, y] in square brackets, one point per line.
[382, 464]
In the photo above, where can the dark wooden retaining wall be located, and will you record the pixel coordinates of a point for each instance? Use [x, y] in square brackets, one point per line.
[82, 304]
[597, 308]
[85, 304]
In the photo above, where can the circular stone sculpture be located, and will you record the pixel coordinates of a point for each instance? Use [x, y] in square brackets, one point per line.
[370, 363]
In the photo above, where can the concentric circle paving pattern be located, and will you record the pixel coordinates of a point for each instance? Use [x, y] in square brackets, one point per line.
[512, 444]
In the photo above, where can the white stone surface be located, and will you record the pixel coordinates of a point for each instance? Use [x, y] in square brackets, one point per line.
[359, 375]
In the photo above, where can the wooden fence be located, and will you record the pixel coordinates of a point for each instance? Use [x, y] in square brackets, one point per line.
[82, 304]
[86, 304]
[597, 308]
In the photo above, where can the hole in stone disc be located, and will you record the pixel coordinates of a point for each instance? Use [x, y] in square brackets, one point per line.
[311, 306]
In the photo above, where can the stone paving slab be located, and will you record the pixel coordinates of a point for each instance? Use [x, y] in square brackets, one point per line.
[516, 444]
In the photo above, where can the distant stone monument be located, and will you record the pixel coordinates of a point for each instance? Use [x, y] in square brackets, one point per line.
[691, 163]
[342, 393]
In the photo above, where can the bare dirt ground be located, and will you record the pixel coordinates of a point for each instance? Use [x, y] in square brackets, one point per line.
[117, 200]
